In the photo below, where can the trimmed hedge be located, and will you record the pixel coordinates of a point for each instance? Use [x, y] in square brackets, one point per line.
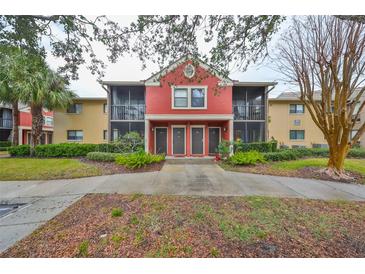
[271, 146]
[293, 154]
[138, 159]
[247, 158]
[64, 150]
[19, 151]
[102, 156]
[5, 144]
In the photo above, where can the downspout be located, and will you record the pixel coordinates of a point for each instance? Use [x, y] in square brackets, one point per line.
[267, 111]
[108, 102]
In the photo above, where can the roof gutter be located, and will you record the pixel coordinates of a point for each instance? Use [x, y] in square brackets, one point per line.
[272, 87]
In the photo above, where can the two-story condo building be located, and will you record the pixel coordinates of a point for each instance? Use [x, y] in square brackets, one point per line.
[184, 110]
[187, 109]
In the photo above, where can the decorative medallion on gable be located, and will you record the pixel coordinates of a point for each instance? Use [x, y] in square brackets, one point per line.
[189, 71]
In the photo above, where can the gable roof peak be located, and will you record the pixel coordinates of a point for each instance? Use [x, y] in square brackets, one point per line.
[154, 80]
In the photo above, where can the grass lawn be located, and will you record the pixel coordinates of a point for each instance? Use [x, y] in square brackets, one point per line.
[303, 168]
[44, 169]
[113, 225]
[353, 165]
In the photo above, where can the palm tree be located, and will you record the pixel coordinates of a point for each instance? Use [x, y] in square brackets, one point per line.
[12, 61]
[44, 89]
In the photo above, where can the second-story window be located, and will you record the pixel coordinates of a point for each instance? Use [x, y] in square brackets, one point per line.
[48, 121]
[296, 108]
[197, 97]
[189, 97]
[181, 97]
[75, 108]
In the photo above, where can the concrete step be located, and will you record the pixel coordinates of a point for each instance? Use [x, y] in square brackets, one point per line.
[190, 161]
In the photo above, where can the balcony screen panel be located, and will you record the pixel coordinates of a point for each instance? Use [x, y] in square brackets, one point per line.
[249, 132]
[120, 96]
[255, 132]
[136, 95]
[137, 127]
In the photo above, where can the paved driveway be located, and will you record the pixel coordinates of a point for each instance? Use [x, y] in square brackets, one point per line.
[42, 200]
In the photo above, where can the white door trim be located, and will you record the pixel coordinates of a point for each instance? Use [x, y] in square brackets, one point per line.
[191, 138]
[172, 137]
[220, 136]
[167, 137]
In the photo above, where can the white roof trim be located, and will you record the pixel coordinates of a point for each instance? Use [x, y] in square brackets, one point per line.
[183, 117]
[154, 79]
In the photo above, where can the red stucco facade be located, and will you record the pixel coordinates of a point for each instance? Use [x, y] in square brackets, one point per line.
[161, 113]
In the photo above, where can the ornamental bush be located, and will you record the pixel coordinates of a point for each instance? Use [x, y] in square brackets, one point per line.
[247, 158]
[270, 146]
[138, 159]
[102, 156]
[64, 150]
[19, 151]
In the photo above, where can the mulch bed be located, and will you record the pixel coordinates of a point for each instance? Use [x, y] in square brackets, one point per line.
[307, 172]
[109, 168]
[175, 226]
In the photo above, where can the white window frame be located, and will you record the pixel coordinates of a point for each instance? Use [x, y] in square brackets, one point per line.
[69, 140]
[172, 138]
[75, 113]
[297, 113]
[167, 138]
[191, 138]
[189, 88]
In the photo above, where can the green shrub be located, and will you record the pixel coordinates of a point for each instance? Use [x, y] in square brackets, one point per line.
[5, 144]
[102, 156]
[247, 158]
[138, 159]
[357, 153]
[84, 248]
[117, 212]
[224, 148]
[283, 155]
[19, 151]
[64, 150]
[270, 146]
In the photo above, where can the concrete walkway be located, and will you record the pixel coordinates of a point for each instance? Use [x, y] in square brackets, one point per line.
[44, 199]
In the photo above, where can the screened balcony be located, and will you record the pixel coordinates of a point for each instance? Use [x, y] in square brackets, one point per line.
[249, 112]
[6, 123]
[128, 112]
[249, 103]
[127, 103]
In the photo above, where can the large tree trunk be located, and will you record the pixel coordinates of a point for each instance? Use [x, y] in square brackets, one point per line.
[15, 114]
[336, 161]
[37, 124]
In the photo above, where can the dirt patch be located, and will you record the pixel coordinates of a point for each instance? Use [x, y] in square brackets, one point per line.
[176, 226]
[306, 172]
[109, 168]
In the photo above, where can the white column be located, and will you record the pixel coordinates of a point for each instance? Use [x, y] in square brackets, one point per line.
[20, 136]
[146, 134]
[231, 135]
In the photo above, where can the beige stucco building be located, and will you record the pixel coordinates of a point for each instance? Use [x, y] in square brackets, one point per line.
[86, 121]
[291, 124]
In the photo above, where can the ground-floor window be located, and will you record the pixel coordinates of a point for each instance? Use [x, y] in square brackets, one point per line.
[121, 128]
[296, 134]
[249, 132]
[75, 135]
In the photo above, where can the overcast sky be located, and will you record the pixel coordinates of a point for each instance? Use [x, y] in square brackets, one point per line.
[129, 69]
